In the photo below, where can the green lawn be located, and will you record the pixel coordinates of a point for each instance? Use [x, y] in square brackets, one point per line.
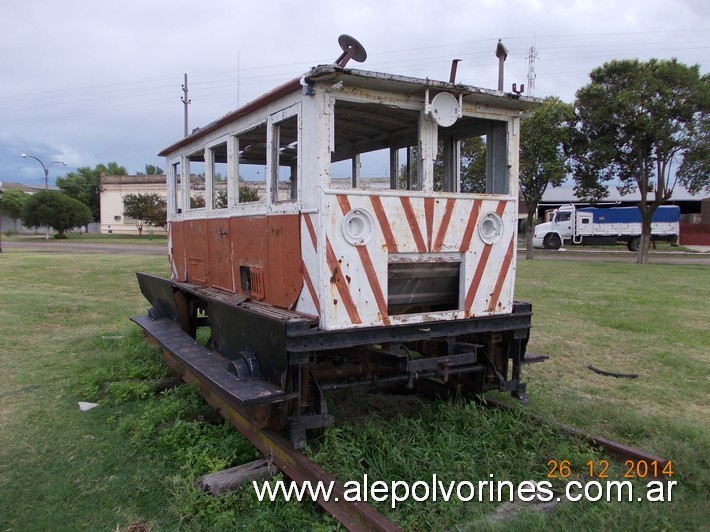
[96, 238]
[64, 335]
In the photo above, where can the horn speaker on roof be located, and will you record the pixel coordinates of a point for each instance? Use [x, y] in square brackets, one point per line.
[351, 50]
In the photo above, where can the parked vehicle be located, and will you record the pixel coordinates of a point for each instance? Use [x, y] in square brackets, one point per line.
[597, 226]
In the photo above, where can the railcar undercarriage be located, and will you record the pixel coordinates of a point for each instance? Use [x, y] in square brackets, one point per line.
[278, 363]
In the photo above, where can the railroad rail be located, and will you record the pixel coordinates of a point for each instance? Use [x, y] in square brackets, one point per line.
[355, 516]
[616, 449]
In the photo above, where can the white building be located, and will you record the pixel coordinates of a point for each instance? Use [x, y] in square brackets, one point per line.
[113, 190]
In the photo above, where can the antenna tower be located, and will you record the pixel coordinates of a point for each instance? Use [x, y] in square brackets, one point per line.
[532, 55]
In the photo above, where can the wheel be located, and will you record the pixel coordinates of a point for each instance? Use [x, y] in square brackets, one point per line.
[552, 241]
[634, 244]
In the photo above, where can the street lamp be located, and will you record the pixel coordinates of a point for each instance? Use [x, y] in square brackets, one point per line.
[46, 179]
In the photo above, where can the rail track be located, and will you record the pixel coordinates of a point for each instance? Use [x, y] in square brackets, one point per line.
[295, 465]
[616, 449]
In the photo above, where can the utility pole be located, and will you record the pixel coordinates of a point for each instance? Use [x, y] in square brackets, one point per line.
[186, 101]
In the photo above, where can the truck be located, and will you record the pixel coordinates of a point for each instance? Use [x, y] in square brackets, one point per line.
[599, 226]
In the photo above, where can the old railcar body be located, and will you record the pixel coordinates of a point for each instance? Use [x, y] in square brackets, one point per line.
[329, 234]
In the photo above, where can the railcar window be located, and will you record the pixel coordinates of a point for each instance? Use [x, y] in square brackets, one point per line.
[218, 174]
[196, 172]
[176, 177]
[371, 145]
[472, 157]
[285, 169]
[251, 168]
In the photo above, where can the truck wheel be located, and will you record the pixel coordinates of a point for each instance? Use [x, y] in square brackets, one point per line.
[552, 242]
[634, 244]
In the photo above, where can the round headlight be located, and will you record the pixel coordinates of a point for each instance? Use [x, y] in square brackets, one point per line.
[357, 227]
[490, 228]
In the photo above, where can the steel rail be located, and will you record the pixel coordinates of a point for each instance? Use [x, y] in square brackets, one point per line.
[355, 516]
[617, 449]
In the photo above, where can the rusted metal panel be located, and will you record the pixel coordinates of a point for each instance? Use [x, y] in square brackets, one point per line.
[221, 254]
[249, 244]
[284, 273]
[197, 251]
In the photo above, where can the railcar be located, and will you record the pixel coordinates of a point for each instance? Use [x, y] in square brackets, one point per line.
[337, 231]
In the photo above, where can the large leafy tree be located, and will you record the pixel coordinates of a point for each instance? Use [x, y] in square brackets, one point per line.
[545, 137]
[84, 185]
[12, 203]
[643, 126]
[56, 210]
[145, 209]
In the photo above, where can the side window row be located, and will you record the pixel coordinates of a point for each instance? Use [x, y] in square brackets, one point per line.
[219, 181]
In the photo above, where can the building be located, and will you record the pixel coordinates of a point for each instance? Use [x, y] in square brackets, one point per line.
[690, 204]
[113, 190]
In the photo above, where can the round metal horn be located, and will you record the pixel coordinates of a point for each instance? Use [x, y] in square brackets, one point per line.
[352, 49]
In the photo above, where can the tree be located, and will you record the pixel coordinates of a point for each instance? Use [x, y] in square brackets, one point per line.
[473, 165]
[12, 203]
[248, 194]
[151, 170]
[545, 136]
[56, 210]
[145, 209]
[694, 172]
[472, 152]
[642, 125]
[84, 185]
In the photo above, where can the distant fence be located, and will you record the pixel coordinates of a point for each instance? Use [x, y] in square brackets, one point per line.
[694, 234]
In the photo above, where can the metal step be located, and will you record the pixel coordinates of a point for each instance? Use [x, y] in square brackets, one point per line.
[213, 366]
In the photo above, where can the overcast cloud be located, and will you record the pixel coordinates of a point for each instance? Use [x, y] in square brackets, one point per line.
[89, 81]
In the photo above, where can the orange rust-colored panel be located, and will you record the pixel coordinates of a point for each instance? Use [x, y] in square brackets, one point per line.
[197, 251]
[220, 257]
[248, 235]
[177, 250]
[284, 271]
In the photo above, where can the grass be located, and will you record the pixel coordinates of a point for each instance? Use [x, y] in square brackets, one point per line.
[132, 461]
[96, 238]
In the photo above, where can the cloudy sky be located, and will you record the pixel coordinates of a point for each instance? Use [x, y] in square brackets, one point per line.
[93, 81]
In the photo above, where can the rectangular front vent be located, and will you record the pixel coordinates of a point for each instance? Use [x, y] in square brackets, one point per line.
[416, 287]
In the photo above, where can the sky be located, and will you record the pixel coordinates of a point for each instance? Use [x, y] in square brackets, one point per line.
[93, 81]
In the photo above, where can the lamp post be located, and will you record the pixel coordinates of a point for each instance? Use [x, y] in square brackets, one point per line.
[46, 180]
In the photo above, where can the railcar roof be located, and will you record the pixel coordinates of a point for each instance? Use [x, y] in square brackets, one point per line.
[367, 80]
